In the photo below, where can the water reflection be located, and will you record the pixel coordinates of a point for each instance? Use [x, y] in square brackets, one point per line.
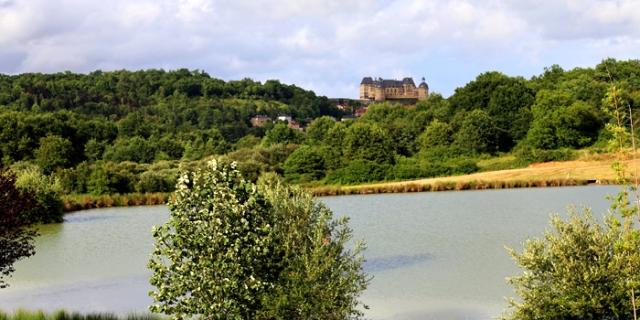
[393, 262]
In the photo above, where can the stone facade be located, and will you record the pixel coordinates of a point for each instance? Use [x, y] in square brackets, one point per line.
[382, 89]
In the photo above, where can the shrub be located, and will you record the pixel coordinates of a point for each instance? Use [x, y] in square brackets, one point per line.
[46, 191]
[532, 155]
[578, 270]
[359, 171]
[16, 239]
[53, 152]
[152, 182]
[436, 134]
[232, 249]
[304, 165]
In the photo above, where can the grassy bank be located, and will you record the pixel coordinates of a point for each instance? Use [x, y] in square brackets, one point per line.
[594, 169]
[65, 315]
[550, 174]
[416, 186]
[87, 201]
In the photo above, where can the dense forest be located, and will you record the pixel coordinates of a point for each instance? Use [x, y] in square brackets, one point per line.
[122, 131]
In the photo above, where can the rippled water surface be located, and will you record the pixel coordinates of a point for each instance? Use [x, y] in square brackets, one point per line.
[432, 255]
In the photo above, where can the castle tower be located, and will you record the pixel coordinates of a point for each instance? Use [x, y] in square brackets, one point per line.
[379, 92]
[408, 87]
[423, 90]
[366, 88]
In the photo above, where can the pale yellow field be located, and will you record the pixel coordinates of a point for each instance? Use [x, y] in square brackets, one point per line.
[594, 170]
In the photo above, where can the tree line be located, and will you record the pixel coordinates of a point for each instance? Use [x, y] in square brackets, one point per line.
[122, 131]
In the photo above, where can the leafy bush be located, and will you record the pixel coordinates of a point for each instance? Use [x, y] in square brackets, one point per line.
[16, 238]
[532, 155]
[232, 249]
[151, 181]
[436, 134]
[54, 151]
[580, 269]
[304, 165]
[47, 192]
[359, 171]
[406, 168]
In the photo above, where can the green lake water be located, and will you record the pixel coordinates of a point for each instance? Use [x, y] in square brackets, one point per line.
[433, 255]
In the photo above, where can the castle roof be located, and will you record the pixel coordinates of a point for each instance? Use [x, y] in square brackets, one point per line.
[385, 83]
[408, 81]
[423, 84]
[367, 80]
[389, 83]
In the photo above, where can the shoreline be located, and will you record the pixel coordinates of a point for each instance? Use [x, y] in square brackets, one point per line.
[538, 175]
[78, 202]
[411, 186]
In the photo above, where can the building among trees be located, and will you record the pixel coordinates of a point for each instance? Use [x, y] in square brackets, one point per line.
[383, 89]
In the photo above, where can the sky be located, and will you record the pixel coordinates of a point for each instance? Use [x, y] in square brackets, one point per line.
[323, 45]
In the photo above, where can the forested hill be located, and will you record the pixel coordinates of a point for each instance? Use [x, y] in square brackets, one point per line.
[129, 131]
[178, 109]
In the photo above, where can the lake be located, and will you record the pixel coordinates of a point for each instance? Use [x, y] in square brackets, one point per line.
[433, 255]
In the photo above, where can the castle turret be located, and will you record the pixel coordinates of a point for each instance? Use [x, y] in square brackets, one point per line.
[366, 88]
[423, 90]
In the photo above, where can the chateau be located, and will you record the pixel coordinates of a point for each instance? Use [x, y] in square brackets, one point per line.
[383, 89]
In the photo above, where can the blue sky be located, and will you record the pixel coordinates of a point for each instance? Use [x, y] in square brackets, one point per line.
[323, 45]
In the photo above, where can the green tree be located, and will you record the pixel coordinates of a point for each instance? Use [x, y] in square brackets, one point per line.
[510, 107]
[478, 93]
[317, 131]
[281, 133]
[369, 142]
[305, 164]
[16, 238]
[235, 250]
[53, 152]
[477, 133]
[94, 149]
[576, 271]
[437, 134]
[46, 192]
[561, 121]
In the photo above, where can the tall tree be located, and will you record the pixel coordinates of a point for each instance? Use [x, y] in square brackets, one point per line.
[232, 249]
[16, 238]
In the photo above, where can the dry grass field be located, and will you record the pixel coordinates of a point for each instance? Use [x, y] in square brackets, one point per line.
[585, 170]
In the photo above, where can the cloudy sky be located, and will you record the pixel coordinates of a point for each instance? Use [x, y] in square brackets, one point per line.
[324, 45]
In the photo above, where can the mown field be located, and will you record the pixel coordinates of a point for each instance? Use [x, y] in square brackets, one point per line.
[592, 169]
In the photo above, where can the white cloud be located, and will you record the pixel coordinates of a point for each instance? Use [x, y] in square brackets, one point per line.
[325, 44]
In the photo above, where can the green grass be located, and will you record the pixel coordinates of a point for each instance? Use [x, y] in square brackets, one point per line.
[504, 162]
[66, 315]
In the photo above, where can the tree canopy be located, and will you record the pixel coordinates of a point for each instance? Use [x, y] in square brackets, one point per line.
[232, 249]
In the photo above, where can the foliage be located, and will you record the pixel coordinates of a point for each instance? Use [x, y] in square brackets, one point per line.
[280, 133]
[478, 133]
[318, 129]
[53, 152]
[436, 134]
[87, 129]
[531, 155]
[358, 171]
[305, 164]
[562, 122]
[236, 250]
[46, 192]
[16, 238]
[364, 141]
[576, 271]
